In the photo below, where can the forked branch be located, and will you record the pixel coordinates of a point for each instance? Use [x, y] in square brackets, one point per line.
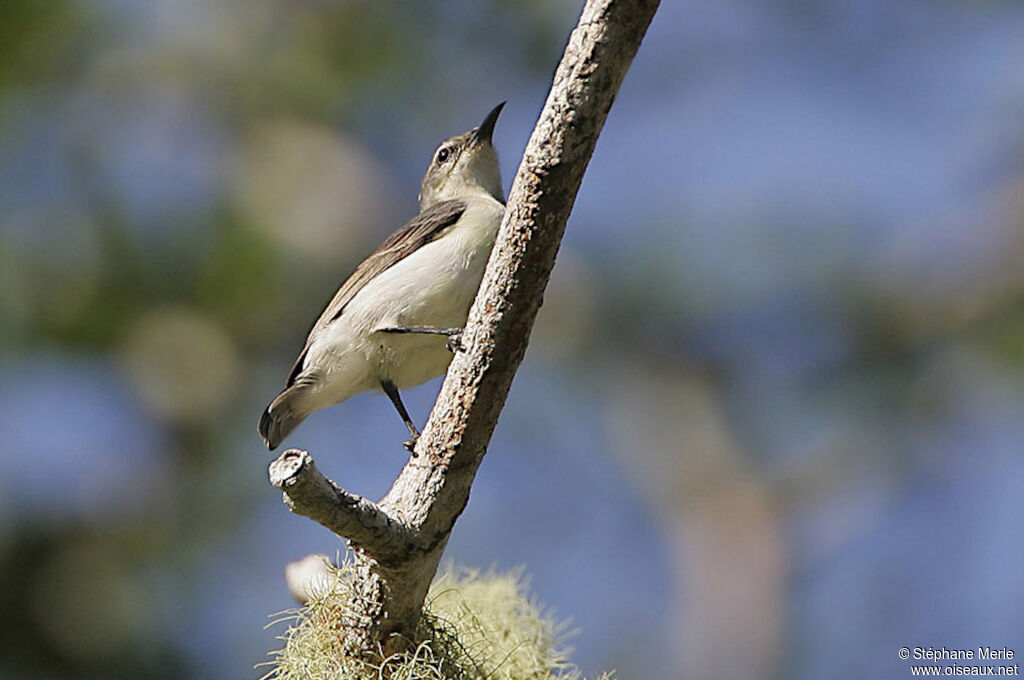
[399, 541]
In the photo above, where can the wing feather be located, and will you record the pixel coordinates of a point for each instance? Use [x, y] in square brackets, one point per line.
[422, 229]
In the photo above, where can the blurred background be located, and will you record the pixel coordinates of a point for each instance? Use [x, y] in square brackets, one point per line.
[771, 422]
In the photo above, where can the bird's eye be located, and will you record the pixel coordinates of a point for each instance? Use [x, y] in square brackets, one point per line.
[443, 155]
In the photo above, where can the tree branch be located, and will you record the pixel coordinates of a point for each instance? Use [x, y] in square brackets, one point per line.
[307, 492]
[399, 542]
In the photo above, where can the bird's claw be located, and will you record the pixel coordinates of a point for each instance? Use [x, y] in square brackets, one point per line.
[410, 445]
[454, 343]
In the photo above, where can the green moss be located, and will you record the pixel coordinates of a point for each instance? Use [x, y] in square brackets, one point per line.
[474, 626]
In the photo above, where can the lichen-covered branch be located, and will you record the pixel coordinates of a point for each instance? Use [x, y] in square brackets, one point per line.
[398, 542]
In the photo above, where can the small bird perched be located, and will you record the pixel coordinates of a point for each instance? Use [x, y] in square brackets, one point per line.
[395, 321]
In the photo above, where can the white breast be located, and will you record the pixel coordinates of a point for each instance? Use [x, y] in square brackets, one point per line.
[433, 286]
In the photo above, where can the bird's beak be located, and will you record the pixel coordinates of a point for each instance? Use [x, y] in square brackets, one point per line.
[486, 129]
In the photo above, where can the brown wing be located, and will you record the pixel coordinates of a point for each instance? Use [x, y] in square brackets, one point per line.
[422, 229]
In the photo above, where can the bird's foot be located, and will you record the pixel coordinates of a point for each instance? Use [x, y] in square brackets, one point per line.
[410, 445]
[454, 343]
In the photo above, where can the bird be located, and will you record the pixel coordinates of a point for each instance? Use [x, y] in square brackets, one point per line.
[396, 321]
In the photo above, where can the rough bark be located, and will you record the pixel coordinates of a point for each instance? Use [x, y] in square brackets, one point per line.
[398, 542]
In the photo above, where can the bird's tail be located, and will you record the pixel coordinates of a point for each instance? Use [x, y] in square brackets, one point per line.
[282, 416]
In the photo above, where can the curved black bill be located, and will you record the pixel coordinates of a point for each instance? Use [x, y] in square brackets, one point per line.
[486, 129]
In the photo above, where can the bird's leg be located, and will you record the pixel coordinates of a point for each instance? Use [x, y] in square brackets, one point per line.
[396, 399]
[454, 343]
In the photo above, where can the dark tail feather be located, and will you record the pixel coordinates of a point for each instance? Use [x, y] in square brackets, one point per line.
[281, 417]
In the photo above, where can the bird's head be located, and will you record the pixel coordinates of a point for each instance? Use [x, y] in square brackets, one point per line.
[464, 164]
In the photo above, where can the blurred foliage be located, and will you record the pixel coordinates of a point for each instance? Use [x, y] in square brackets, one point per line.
[38, 40]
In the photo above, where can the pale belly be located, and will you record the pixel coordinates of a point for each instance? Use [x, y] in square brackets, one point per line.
[410, 359]
[434, 287]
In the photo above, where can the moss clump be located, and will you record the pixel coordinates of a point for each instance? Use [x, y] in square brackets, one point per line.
[474, 627]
